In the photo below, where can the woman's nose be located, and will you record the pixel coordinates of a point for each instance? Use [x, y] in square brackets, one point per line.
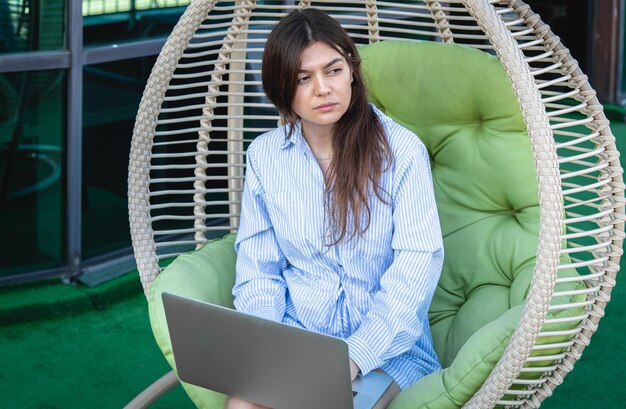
[321, 85]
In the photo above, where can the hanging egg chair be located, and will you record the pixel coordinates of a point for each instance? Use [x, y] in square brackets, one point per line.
[527, 179]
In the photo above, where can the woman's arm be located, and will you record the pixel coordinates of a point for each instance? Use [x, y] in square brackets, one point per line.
[398, 316]
[259, 286]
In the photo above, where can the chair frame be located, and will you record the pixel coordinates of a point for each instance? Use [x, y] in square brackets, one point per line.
[574, 170]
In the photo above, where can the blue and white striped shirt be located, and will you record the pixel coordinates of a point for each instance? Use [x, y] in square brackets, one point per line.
[373, 291]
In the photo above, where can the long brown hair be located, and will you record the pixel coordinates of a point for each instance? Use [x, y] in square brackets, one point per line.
[361, 152]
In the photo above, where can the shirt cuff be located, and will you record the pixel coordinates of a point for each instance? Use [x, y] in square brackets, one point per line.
[268, 313]
[362, 355]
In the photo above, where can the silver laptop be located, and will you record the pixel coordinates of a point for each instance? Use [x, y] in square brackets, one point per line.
[262, 361]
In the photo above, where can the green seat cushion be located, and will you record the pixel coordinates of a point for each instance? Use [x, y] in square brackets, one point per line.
[450, 388]
[207, 274]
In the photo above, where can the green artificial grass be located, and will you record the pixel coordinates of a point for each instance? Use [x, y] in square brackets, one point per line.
[100, 357]
[51, 299]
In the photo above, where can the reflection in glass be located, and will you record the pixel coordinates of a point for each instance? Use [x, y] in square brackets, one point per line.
[111, 96]
[96, 7]
[113, 21]
[32, 25]
[623, 83]
[32, 198]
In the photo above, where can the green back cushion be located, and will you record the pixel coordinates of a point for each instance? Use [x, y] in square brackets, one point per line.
[460, 102]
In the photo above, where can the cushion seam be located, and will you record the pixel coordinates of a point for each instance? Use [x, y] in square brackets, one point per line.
[474, 367]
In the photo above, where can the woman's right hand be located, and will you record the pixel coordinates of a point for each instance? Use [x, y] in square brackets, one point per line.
[354, 369]
[236, 403]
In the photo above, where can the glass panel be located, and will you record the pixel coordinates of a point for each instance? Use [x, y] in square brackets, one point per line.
[32, 182]
[570, 21]
[31, 25]
[114, 21]
[111, 96]
[623, 67]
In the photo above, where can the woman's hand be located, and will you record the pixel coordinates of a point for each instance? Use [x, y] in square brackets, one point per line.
[354, 369]
[236, 403]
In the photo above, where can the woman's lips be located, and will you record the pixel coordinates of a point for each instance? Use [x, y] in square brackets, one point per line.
[326, 107]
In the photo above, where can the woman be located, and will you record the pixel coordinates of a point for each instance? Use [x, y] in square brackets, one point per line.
[339, 231]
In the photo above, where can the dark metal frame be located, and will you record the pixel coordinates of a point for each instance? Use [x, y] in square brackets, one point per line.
[74, 138]
[73, 59]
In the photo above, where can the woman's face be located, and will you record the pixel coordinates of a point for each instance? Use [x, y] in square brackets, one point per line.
[323, 90]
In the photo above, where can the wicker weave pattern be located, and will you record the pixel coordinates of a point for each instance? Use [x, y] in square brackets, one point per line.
[203, 103]
[439, 16]
[141, 148]
[230, 50]
[609, 205]
[550, 200]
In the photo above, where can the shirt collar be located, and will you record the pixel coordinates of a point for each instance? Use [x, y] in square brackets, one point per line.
[296, 137]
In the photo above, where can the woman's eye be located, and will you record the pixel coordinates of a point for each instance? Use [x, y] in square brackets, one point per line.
[302, 80]
[335, 71]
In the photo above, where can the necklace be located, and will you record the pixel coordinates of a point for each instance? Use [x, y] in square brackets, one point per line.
[324, 159]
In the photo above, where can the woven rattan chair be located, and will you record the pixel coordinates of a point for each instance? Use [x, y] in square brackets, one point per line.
[203, 103]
